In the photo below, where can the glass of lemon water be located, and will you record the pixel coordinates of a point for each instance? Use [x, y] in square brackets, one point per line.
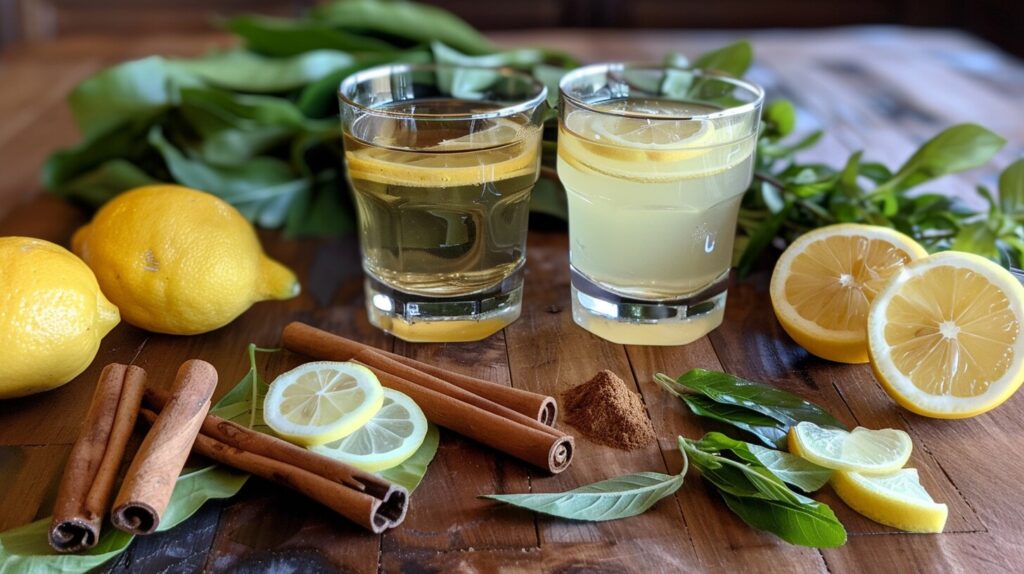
[441, 161]
[654, 161]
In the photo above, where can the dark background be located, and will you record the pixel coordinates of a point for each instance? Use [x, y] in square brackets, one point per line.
[1000, 21]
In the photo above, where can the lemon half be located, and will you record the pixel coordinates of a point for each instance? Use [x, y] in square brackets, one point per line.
[944, 336]
[320, 402]
[393, 435]
[896, 500]
[824, 282]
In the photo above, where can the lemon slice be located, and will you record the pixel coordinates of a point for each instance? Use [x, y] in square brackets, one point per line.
[863, 450]
[636, 139]
[503, 151]
[823, 285]
[317, 403]
[393, 435]
[896, 500]
[945, 338]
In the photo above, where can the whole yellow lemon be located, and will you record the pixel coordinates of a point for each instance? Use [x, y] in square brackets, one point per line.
[52, 316]
[179, 261]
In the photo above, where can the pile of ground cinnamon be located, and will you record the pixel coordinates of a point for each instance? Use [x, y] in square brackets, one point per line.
[606, 411]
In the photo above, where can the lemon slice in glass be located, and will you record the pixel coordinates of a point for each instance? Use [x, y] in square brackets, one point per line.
[320, 402]
[944, 336]
[896, 500]
[863, 450]
[393, 435]
[824, 282]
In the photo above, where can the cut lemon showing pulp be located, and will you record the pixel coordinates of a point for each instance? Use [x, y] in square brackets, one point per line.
[393, 435]
[863, 450]
[823, 285]
[945, 338]
[896, 500]
[317, 403]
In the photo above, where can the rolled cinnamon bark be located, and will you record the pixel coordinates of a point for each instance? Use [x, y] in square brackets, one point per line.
[363, 498]
[150, 479]
[95, 458]
[546, 449]
[333, 347]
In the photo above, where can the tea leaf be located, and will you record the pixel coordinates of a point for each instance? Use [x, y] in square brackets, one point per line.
[770, 401]
[284, 37]
[610, 499]
[248, 72]
[955, 149]
[815, 526]
[766, 429]
[791, 469]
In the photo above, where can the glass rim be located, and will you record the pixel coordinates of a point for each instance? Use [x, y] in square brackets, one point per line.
[349, 83]
[746, 107]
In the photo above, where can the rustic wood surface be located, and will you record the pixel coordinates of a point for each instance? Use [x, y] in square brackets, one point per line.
[883, 90]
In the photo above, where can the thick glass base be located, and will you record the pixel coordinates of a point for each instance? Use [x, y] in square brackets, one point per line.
[635, 322]
[420, 319]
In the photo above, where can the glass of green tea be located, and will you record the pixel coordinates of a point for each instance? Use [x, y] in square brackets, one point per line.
[654, 162]
[441, 161]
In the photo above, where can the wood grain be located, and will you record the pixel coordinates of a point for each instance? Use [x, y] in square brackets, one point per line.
[873, 89]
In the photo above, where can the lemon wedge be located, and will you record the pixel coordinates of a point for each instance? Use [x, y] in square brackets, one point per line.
[863, 450]
[320, 402]
[944, 336]
[824, 282]
[393, 435]
[896, 500]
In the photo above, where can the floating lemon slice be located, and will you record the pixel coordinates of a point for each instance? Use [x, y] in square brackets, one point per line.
[637, 139]
[896, 500]
[823, 285]
[944, 336]
[503, 151]
[393, 435]
[317, 403]
[863, 450]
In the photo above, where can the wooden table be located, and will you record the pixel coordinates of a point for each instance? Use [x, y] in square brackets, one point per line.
[885, 90]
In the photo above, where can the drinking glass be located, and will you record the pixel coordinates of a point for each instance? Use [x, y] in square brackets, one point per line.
[654, 161]
[441, 161]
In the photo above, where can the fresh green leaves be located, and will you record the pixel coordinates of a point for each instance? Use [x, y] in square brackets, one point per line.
[787, 198]
[733, 59]
[759, 496]
[610, 499]
[765, 411]
[410, 473]
[791, 469]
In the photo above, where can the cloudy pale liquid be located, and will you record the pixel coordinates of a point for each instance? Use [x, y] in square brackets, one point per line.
[652, 224]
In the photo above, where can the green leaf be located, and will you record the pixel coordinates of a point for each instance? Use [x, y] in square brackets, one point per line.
[781, 116]
[977, 238]
[320, 210]
[133, 89]
[248, 72]
[548, 197]
[319, 99]
[126, 141]
[550, 76]
[761, 238]
[953, 150]
[411, 472]
[284, 37]
[734, 59]
[766, 429]
[815, 526]
[770, 401]
[415, 23]
[761, 498]
[1011, 188]
[791, 469]
[261, 188]
[100, 185]
[610, 499]
[25, 550]
[463, 82]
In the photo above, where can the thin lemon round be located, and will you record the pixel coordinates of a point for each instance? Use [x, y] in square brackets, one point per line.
[944, 336]
[863, 450]
[321, 402]
[896, 500]
[824, 282]
[393, 435]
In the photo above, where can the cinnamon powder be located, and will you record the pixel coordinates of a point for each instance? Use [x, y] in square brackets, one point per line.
[607, 412]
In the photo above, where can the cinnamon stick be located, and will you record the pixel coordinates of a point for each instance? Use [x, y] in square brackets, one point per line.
[534, 405]
[150, 479]
[95, 458]
[362, 497]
